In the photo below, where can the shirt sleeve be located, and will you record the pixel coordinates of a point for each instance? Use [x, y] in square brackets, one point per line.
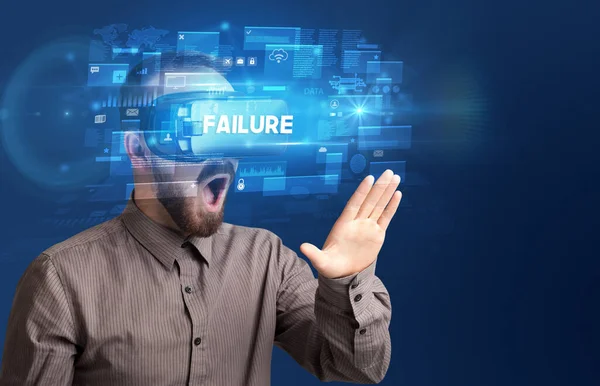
[40, 338]
[338, 329]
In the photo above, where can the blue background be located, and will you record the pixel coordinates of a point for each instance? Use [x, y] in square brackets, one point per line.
[491, 265]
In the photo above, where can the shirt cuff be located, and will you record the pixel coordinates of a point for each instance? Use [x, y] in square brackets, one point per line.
[351, 292]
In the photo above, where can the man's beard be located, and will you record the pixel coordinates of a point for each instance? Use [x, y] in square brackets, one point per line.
[189, 218]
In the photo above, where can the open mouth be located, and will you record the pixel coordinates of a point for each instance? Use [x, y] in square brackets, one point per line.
[213, 191]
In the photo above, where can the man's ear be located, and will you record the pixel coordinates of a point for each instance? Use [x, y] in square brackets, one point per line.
[135, 148]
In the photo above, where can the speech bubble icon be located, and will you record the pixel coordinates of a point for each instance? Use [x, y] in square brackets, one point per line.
[94, 69]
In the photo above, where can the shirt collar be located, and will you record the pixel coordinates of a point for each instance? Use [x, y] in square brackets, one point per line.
[163, 243]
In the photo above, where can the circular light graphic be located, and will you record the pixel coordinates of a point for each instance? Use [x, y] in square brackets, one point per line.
[358, 162]
[46, 104]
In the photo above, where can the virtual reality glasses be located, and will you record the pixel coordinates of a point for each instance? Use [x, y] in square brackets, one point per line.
[193, 126]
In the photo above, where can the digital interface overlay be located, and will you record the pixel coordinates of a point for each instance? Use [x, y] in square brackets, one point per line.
[342, 96]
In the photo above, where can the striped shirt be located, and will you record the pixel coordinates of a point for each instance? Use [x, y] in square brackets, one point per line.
[130, 302]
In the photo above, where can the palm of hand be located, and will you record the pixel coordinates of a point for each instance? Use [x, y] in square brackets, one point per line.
[358, 235]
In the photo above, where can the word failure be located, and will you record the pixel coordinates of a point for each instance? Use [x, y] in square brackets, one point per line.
[240, 124]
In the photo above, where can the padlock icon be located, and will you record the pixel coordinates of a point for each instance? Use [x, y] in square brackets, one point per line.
[241, 185]
[252, 61]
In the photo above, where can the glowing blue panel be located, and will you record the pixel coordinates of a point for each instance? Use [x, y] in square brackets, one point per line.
[355, 61]
[273, 185]
[301, 185]
[107, 74]
[194, 81]
[388, 69]
[384, 137]
[256, 38]
[120, 54]
[251, 176]
[332, 148]
[369, 130]
[383, 81]
[283, 61]
[109, 159]
[367, 46]
[205, 42]
[333, 166]
[274, 88]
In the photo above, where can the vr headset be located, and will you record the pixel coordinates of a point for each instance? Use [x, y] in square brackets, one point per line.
[197, 125]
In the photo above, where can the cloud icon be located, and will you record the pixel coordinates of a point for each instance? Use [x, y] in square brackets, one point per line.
[278, 55]
[322, 149]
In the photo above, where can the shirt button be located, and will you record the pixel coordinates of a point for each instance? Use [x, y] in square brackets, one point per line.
[357, 298]
[363, 331]
[197, 341]
[188, 289]
[353, 286]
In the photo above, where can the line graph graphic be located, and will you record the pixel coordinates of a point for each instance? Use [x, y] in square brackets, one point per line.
[263, 169]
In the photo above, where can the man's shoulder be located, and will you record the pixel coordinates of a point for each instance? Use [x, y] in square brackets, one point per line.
[111, 231]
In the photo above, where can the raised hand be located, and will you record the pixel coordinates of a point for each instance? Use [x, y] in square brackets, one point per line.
[357, 236]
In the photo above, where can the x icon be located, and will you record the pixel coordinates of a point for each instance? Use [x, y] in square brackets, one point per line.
[181, 36]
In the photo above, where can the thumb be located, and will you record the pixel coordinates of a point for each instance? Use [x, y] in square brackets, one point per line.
[314, 254]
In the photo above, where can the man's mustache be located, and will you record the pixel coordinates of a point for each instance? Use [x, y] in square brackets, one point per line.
[216, 167]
